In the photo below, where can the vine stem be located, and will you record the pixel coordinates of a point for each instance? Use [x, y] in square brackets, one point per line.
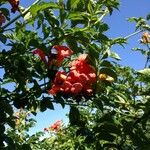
[130, 35]
[106, 11]
[69, 103]
[17, 17]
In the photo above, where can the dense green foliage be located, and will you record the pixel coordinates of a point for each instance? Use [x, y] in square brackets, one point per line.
[113, 117]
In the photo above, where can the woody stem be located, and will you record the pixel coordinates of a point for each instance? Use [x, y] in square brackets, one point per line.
[130, 35]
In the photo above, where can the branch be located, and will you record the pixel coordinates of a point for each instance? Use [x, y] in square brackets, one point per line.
[130, 35]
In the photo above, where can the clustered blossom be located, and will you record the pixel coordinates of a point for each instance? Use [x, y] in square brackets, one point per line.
[2, 18]
[145, 38]
[14, 4]
[61, 53]
[54, 127]
[79, 79]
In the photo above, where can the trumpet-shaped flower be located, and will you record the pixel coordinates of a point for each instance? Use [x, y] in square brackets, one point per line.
[14, 4]
[2, 18]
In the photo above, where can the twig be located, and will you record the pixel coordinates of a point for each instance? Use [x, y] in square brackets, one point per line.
[70, 104]
[130, 35]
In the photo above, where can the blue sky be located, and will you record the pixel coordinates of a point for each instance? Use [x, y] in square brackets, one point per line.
[118, 27]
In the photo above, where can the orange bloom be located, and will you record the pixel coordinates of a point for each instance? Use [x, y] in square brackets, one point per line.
[41, 54]
[14, 4]
[145, 38]
[76, 88]
[55, 89]
[105, 77]
[79, 79]
[102, 77]
[2, 18]
[54, 59]
[56, 126]
[62, 52]
[60, 77]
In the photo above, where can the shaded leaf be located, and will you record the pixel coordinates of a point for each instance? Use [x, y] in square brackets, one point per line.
[3, 38]
[109, 72]
[74, 116]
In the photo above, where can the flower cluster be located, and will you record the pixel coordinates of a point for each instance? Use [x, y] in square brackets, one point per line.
[54, 127]
[145, 38]
[61, 53]
[2, 18]
[14, 4]
[79, 79]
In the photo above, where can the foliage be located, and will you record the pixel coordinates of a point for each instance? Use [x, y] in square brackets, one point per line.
[113, 113]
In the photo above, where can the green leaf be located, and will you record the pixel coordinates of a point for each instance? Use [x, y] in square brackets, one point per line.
[111, 128]
[76, 16]
[74, 116]
[27, 16]
[90, 7]
[93, 53]
[106, 63]
[103, 27]
[46, 30]
[115, 55]
[51, 18]
[46, 103]
[39, 7]
[5, 11]
[106, 136]
[26, 147]
[102, 37]
[98, 103]
[148, 17]
[72, 3]
[7, 106]
[145, 72]
[72, 43]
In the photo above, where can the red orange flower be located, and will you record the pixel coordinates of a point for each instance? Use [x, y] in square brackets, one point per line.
[60, 77]
[79, 79]
[56, 126]
[14, 4]
[2, 18]
[41, 54]
[58, 81]
[145, 38]
[62, 52]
